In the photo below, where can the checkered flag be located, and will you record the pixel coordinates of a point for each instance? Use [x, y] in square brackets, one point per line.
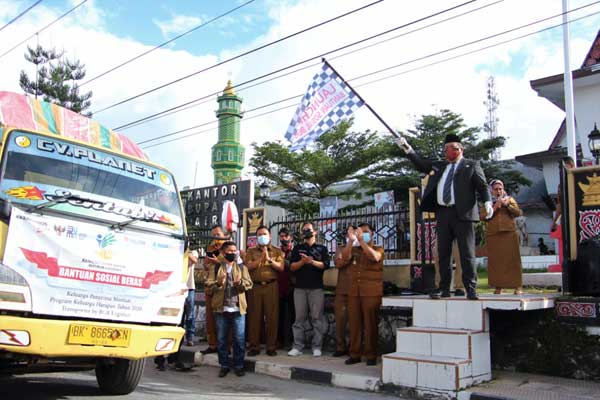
[327, 101]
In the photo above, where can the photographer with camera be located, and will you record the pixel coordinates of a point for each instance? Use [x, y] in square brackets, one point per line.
[308, 262]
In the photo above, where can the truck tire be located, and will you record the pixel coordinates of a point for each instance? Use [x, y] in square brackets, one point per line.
[119, 376]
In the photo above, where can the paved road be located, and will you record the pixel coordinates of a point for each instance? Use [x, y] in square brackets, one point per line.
[200, 383]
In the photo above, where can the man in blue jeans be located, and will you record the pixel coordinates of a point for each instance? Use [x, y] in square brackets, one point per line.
[228, 283]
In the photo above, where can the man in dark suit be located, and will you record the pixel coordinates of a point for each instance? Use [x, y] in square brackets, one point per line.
[451, 192]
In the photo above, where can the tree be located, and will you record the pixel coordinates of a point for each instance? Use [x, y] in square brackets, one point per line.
[397, 173]
[56, 79]
[307, 176]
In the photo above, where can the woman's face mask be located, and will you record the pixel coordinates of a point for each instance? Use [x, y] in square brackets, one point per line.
[367, 237]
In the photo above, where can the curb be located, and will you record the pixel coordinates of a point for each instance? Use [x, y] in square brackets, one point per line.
[338, 379]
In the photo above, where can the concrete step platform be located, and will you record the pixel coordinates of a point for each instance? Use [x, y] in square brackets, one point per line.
[431, 375]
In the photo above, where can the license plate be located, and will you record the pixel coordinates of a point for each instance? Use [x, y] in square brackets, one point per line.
[99, 335]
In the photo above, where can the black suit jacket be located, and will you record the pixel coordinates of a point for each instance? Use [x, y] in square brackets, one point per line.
[469, 181]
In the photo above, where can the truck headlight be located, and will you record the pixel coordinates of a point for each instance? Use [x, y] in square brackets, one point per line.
[9, 276]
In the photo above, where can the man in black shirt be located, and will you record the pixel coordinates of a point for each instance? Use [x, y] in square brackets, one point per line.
[308, 262]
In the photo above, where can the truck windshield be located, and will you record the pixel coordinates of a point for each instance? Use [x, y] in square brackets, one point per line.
[37, 169]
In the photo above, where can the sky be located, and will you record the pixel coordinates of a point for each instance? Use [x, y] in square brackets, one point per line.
[426, 70]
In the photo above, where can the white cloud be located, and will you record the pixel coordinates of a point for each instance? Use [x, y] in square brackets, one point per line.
[527, 120]
[177, 24]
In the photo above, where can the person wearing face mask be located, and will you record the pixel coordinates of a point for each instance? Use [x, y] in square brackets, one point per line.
[285, 336]
[308, 262]
[502, 241]
[212, 259]
[365, 261]
[264, 263]
[451, 192]
[228, 284]
[341, 301]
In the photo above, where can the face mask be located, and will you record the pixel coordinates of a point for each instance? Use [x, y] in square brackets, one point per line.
[263, 240]
[230, 256]
[307, 234]
[367, 237]
[284, 243]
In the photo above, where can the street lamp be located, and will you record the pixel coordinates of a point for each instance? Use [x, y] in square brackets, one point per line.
[594, 142]
[265, 191]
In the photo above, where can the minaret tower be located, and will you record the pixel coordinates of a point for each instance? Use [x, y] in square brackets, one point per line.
[228, 153]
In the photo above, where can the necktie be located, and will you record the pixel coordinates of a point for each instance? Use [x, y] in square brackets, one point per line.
[448, 185]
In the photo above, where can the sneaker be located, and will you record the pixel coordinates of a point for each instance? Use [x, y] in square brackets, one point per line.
[223, 372]
[271, 353]
[317, 352]
[208, 350]
[294, 352]
[253, 353]
[189, 342]
[339, 353]
[239, 372]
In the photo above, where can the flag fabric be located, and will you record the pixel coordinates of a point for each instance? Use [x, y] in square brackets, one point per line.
[327, 101]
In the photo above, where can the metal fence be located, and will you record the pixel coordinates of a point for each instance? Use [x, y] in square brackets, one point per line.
[391, 226]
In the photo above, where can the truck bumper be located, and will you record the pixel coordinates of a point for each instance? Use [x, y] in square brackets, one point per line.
[50, 338]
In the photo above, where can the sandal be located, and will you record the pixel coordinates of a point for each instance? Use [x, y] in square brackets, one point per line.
[498, 291]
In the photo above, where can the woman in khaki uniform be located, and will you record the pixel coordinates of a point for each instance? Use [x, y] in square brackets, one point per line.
[364, 293]
[341, 302]
[502, 241]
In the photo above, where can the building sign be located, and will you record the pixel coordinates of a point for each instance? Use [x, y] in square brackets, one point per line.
[253, 219]
[204, 206]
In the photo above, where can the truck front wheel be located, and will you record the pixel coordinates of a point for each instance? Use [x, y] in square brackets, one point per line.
[119, 376]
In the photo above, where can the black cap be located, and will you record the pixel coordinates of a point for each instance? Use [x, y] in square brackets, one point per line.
[451, 138]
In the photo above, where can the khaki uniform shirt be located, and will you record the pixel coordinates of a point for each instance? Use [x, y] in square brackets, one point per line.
[264, 272]
[366, 275]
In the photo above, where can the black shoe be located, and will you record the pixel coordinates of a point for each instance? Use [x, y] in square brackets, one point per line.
[370, 363]
[339, 353]
[445, 293]
[161, 367]
[351, 361]
[459, 292]
[239, 372]
[436, 294]
[223, 372]
[271, 353]
[472, 294]
[253, 353]
[208, 350]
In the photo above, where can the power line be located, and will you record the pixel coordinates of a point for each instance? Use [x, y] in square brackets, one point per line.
[21, 14]
[387, 77]
[238, 56]
[166, 43]
[474, 41]
[44, 28]
[318, 56]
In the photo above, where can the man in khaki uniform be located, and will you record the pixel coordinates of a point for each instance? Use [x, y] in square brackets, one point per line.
[364, 293]
[341, 302]
[264, 263]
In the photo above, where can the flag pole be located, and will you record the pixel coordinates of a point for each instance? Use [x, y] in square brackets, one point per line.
[363, 100]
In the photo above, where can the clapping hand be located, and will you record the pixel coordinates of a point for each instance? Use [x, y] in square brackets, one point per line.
[306, 259]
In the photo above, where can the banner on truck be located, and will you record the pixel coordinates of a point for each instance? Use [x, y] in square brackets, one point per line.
[83, 270]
